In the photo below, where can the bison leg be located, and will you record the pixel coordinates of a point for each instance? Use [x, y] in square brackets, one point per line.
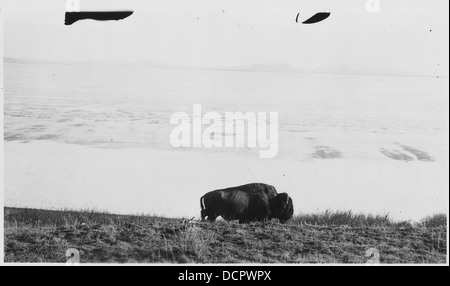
[244, 220]
[209, 216]
[203, 215]
[212, 218]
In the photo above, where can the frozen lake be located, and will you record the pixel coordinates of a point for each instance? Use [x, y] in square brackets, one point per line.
[97, 137]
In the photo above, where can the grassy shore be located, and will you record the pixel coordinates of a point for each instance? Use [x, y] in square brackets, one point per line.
[330, 237]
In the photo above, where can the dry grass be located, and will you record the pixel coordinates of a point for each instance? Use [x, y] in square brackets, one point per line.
[330, 237]
[347, 218]
[436, 220]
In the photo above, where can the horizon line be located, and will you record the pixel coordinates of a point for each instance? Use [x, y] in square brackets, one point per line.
[237, 68]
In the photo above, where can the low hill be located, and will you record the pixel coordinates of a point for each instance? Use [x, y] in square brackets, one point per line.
[331, 237]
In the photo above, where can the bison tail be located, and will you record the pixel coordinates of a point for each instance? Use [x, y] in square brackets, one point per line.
[202, 203]
[203, 207]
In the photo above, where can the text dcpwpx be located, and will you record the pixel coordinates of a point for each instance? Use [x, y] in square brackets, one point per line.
[226, 275]
[246, 275]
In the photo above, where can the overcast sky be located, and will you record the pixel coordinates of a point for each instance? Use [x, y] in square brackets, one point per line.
[406, 35]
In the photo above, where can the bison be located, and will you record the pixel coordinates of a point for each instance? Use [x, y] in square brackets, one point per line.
[251, 202]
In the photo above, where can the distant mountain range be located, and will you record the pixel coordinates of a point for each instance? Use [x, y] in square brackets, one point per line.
[275, 68]
[336, 69]
[284, 68]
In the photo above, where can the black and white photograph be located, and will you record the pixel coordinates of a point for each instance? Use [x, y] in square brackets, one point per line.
[232, 133]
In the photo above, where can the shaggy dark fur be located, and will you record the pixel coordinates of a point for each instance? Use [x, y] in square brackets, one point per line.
[251, 202]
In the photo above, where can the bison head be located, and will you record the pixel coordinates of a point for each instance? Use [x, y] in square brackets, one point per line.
[281, 207]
